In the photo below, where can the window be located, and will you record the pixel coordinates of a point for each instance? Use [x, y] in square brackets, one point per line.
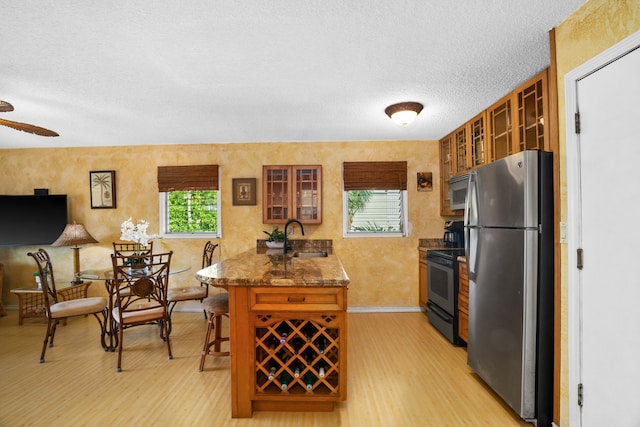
[375, 199]
[189, 201]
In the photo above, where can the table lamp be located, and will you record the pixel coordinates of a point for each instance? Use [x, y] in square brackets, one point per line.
[74, 235]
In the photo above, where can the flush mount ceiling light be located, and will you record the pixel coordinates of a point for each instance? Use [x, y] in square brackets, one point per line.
[404, 113]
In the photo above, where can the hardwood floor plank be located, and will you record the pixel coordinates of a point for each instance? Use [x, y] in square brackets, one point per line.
[402, 372]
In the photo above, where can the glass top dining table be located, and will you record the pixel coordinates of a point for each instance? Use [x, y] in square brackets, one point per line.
[108, 274]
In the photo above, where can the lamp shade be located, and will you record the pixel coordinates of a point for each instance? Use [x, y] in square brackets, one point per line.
[74, 235]
[404, 113]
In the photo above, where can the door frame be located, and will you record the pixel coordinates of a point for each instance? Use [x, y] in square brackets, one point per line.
[574, 228]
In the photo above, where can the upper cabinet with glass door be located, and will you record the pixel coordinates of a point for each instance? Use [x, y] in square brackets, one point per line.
[292, 192]
[517, 121]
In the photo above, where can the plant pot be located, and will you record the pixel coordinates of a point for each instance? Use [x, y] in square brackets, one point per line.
[275, 244]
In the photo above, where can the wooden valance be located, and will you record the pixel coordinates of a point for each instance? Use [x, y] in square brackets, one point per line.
[374, 175]
[187, 178]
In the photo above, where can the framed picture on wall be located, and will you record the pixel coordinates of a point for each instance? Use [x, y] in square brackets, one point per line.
[425, 181]
[103, 189]
[244, 191]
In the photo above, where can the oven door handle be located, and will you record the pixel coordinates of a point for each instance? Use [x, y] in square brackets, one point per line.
[439, 312]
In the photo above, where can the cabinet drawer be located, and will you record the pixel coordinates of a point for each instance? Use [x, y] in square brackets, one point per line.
[298, 299]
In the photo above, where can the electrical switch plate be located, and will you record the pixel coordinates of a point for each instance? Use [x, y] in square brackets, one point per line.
[563, 232]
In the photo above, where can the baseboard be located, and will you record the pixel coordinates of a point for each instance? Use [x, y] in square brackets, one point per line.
[384, 310]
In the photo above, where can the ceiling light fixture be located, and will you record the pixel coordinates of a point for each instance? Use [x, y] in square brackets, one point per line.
[404, 113]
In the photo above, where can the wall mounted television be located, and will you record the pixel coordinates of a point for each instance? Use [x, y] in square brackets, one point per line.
[31, 220]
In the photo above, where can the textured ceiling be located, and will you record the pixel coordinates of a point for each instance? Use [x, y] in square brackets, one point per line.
[195, 72]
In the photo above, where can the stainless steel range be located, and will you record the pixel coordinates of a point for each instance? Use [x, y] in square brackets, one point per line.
[442, 292]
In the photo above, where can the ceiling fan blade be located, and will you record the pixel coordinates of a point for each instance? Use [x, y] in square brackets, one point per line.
[5, 106]
[28, 128]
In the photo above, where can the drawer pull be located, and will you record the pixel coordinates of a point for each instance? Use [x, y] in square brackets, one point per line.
[296, 299]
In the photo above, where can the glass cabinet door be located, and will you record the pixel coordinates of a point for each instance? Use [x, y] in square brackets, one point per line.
[292, 192]
[477, 142]
[307, 187]
[531, 115]
[500, 133]
[275, 194]
[460, 144]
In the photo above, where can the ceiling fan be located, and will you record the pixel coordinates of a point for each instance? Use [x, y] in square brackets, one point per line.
[5, 106]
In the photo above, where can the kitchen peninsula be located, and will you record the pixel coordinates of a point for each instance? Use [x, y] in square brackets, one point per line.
[287, 327]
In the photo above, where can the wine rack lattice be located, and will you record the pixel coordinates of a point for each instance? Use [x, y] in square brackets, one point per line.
[297, 356]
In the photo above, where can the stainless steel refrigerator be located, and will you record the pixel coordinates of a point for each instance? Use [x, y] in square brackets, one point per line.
[509, 249]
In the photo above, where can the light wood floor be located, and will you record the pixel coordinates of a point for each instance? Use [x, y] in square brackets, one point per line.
[401, 373]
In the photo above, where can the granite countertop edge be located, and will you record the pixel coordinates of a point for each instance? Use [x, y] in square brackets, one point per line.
[271, 268]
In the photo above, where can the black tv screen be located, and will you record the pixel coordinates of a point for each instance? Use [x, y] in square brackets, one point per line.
[32, 220]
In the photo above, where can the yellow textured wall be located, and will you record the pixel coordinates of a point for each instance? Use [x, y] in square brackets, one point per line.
[598, 25]
[383, 271]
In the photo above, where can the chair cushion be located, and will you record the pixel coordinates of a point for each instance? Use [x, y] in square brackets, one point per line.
[78, 307]
[186, 293]
[218, 303]
[154, 312]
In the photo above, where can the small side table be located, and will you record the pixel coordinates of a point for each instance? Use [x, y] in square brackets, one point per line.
[30, 303]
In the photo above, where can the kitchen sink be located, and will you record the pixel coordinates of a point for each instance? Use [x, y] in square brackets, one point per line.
[318, 254]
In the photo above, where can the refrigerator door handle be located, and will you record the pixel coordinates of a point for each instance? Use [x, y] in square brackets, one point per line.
[470, 226]
[471, 202]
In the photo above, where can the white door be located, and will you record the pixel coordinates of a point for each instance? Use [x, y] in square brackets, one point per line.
[603, 220]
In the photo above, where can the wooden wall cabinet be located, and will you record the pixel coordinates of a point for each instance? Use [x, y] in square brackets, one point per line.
[292, 192]
[460, 151]
[463, 302]
[422, 278]
[517, 121]
[447, 166]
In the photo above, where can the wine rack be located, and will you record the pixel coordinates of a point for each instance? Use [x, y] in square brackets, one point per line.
[297, 357]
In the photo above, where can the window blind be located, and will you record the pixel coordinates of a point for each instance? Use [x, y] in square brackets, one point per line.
[187, 178]
[374, 175]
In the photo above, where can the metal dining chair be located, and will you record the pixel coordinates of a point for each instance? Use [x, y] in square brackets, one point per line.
[141, 297]
[56, 310]
[195, 292]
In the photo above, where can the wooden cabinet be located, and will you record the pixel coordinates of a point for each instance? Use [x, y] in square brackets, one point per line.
[477, 141]
[463, 301]
[532, 102]
[292, 192]
[295, 347]
[460, 151]
[517, 121]
[500, 119]
[447, 166]
[514, 123]
[422, 278]
[461, 159]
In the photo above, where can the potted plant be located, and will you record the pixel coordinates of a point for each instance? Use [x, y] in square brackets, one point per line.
[276, 238]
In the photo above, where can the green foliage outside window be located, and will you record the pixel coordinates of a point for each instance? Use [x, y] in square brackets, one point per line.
[193, 211]
[357, 201]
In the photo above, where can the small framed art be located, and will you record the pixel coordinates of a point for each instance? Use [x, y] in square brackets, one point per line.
[244, 191]
[425, 181]
[103, 189]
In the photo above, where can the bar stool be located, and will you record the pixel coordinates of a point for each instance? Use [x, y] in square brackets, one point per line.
[215, 306]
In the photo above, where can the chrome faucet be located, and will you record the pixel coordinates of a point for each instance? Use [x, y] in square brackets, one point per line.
[285, 248]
